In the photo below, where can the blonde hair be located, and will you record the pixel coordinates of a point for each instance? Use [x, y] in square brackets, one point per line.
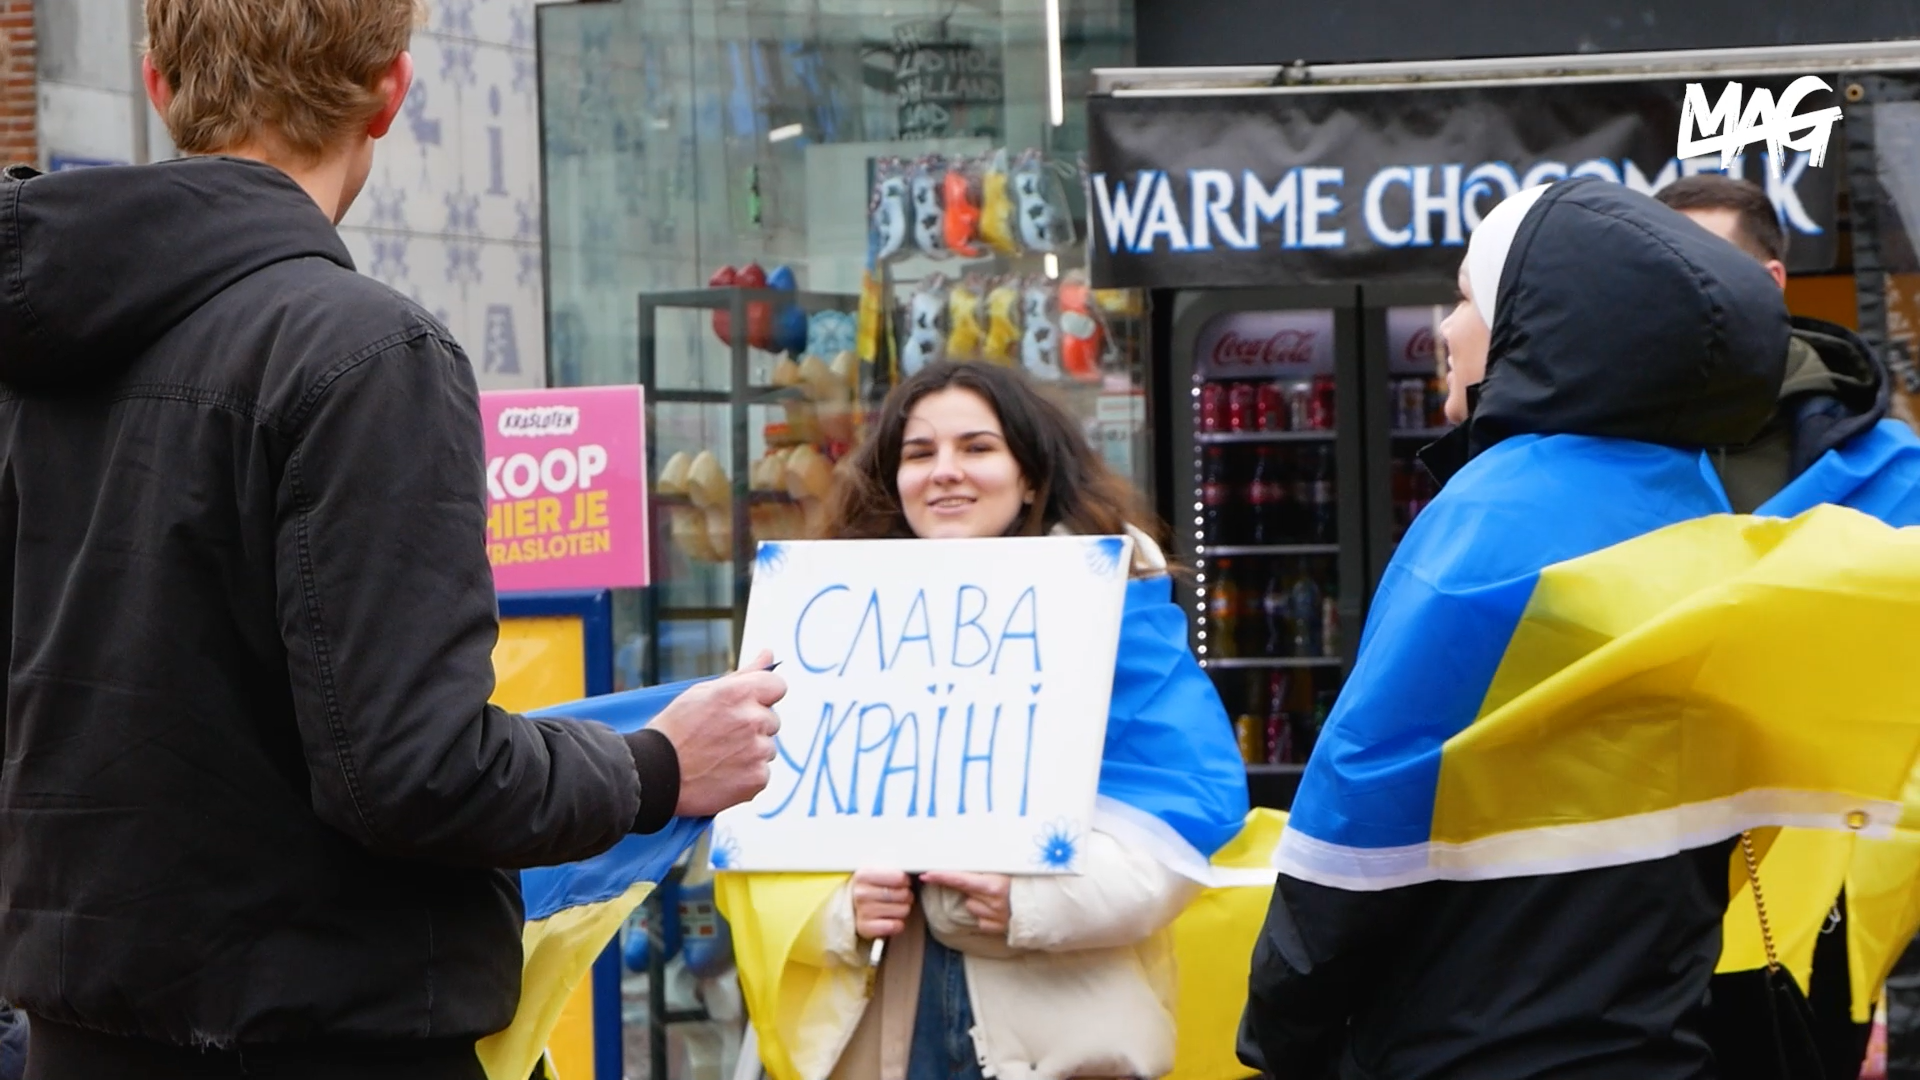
[292, 75]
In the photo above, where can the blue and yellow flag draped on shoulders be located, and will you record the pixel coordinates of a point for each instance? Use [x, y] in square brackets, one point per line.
[573, 911]
[1581, 658]
[1171, 783]
[1802, 870]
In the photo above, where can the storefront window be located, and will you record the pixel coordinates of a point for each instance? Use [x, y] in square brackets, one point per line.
[685, 142]
[681, 137]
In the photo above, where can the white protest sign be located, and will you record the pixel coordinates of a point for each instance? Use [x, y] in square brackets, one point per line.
[946, 703]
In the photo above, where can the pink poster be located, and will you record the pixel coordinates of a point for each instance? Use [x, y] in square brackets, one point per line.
[566, 488]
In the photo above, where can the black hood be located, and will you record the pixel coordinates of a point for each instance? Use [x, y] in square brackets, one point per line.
[97, 264]
[1619, 317]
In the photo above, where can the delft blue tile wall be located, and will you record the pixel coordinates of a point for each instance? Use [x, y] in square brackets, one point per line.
[451, 212]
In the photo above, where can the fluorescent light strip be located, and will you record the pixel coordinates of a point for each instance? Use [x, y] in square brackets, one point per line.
[1056, 92]
[790, 131]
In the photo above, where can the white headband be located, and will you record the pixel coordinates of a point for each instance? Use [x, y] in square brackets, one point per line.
[1487, 248]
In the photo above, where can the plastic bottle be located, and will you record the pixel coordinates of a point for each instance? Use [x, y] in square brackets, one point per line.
[1223, 610]
[1216, 497]
[1266, 497]
[1321, 509]
[1304, 616]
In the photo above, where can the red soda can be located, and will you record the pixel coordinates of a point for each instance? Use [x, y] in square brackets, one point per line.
[1299, 405]
[1213, 407]
[1240, 407]
[1271, 406]
[1322, 407]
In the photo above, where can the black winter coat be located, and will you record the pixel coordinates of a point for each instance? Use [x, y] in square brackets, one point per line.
[1615, 317]
[253, 790]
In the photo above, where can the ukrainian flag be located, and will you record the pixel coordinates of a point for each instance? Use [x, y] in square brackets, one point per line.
[574, 910]
[1579, 658]
[1802, 870]
[1171, 783]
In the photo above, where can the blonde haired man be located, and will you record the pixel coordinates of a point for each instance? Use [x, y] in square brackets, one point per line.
[257, 817]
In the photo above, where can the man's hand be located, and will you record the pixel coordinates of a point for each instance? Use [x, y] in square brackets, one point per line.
[723, 732]
[987, 896]
[881, 901]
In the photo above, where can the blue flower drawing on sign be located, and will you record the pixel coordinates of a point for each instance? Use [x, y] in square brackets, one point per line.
[771, 559]
[724, 851]
[1057, 846]
[1103, 555]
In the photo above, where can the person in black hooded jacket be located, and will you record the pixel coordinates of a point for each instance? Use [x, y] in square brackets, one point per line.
[257, 816]
[1597, 973]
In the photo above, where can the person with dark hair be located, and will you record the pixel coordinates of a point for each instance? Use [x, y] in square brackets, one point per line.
[1735, 210]
[1829, 440]
[990, 974]
[1836, 388]
[1066, 484]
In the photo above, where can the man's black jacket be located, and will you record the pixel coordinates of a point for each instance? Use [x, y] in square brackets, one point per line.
[252, 788]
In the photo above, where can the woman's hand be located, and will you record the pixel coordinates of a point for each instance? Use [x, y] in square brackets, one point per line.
[882, 900]
[987, 897]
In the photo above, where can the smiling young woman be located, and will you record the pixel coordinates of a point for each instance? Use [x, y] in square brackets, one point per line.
[991, 974]
[971, 450]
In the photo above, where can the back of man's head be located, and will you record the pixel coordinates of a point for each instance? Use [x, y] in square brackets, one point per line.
[287, 77]
[1752, 222]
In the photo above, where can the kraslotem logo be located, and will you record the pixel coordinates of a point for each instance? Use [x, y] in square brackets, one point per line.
[536, 421]
[1762, 119]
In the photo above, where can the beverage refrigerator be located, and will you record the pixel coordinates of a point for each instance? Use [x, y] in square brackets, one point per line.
[1291, 422]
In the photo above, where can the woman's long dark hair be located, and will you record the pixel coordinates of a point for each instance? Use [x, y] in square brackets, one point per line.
[1072, 486]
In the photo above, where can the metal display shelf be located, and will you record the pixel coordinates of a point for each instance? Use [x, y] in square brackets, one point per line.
[1273, 785]
[739, 396]
[1230, 551]
[1225, 438]
[663, 499]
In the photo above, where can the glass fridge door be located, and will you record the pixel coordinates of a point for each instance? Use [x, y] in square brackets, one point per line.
[1406, 389]
[1268, 451]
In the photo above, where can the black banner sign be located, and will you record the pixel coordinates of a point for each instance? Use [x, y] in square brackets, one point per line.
[1368, 185]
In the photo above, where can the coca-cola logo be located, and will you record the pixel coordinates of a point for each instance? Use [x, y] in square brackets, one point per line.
[1284, 347]
[1420, 345]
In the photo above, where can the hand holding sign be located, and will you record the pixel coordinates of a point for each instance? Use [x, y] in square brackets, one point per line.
[882, 899]
[989, 896]
[723, 731]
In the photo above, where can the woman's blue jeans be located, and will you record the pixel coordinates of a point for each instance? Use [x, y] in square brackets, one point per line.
[943, 1025]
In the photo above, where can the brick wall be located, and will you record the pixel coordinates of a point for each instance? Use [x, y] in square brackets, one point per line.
[19, 102]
